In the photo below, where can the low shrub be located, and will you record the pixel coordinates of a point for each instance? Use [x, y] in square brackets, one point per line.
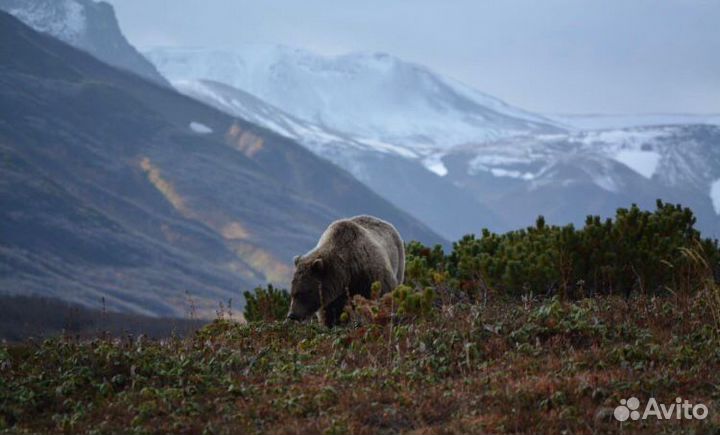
[266, 304]
[650, 253]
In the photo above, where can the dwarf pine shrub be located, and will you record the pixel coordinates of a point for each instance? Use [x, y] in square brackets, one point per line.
[266, 304]
[637, 251]
[413, 302]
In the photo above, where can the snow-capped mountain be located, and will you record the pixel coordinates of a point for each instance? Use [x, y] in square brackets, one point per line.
[375, 97]
[335, 145]
[382, 119]
[395, 172]
[87, 25]
[457, 159]
[567, 176]
[669, 155]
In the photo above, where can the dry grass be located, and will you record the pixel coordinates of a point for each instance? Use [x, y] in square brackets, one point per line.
[515, 367]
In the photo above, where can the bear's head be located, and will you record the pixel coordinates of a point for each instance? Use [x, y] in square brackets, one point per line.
[305, 298]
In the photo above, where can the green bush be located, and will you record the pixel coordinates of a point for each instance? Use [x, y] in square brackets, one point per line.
[266, 304]
[412, 302]
[639, 251]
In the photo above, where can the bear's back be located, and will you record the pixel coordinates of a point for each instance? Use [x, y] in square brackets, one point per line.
[367, 240]
[388, 238]
[379, 229]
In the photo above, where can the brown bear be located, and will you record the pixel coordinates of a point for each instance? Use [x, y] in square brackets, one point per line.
[351, 255]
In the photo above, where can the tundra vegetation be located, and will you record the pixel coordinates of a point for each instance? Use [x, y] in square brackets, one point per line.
[541, 330]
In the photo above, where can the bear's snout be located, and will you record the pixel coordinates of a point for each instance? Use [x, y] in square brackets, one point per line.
[294, 317]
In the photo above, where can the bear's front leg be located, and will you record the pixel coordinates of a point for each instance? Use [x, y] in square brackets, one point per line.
[330, 315]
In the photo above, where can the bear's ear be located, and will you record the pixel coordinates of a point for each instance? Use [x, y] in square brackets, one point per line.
[296, 259]
[318, 266]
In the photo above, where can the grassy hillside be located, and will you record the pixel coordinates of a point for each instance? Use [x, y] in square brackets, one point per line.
[32, 317]
[626, 308]
[506, 367]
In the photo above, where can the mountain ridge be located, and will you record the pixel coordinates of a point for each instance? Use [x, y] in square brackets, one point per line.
[111, 191]
[88, 25]
[401, 177]
[392, 101]
[499, 195]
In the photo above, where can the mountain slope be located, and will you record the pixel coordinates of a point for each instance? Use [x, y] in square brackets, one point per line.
[382, 119]
[115, 187]
[85, 24]
[399, 175]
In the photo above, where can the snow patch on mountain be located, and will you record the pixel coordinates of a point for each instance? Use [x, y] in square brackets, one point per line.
[633, 148]
[624, 138]
[385, 147]
[200, 128]
[500, 172]
[715, 195]
[511, 158]
[85, 24]
[435, 164]
[644, 163]
[66, 20]
[606, 182]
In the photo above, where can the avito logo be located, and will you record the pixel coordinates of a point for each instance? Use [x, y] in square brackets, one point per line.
[681, 409]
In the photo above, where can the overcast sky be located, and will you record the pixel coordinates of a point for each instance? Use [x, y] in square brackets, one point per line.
[551, 56]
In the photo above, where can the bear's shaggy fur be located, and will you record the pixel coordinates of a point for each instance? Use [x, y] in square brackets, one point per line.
[351, 255]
